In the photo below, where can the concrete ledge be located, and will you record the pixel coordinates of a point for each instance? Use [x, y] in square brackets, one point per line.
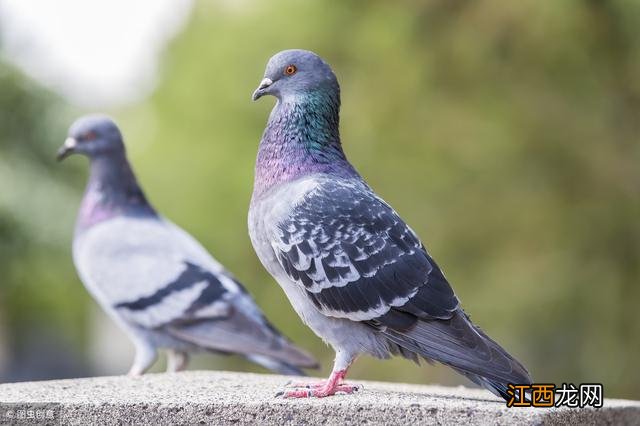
[240, 398]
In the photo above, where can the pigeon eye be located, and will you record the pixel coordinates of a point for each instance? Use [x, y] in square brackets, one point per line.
[89, 136]
[290, 70]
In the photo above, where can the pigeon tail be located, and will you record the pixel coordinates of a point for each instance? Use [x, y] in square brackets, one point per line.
[276, 366]
[459, 344]
[241, 334]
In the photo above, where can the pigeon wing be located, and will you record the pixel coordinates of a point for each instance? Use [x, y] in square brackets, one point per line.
[156, 276]
[357, 259]
[152, 273]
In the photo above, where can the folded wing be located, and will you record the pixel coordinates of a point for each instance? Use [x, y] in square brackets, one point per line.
[356, 259]
[157, 277]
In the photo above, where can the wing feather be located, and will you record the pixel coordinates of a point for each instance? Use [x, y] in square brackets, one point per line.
[356, 258]
[152, 273]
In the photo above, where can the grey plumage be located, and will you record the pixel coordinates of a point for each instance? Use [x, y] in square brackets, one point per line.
[351, 267]
[152, 278]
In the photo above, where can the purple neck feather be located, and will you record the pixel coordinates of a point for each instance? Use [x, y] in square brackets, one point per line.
[112, 191]
[301, 138]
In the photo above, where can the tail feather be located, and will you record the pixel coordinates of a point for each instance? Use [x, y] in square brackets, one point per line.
[496, 388]
[458, 343]
[276, 366]
[242, 335]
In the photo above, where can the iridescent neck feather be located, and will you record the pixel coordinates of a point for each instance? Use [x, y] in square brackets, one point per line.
[112, 191]
[301, 138]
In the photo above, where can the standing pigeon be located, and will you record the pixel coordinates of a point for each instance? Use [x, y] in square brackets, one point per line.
[356, 274]
[152, 278]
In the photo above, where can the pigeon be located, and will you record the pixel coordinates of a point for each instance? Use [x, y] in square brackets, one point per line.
[353, 270]
[152, 278]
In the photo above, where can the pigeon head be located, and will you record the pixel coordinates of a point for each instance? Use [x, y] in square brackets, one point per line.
[302, 135]
[295, 74]
[112, 188]
[92, 136]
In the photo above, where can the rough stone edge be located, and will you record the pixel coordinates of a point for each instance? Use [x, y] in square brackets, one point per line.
[278, 413]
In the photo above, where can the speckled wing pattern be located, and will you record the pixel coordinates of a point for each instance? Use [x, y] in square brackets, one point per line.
[357, 259]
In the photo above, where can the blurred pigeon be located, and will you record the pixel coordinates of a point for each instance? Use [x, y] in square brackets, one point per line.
[356, 274]
[152, 278]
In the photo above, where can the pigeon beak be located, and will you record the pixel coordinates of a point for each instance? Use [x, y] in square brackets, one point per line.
[67, 149]
[262, 89]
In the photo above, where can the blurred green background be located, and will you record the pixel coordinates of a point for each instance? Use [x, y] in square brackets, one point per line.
[507, 134]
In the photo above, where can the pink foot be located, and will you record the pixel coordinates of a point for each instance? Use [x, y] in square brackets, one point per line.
[308, 385]
[333, 386]
[320, 392]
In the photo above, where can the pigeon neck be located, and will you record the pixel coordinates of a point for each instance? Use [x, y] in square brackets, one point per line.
[112, 191]
[301, 138]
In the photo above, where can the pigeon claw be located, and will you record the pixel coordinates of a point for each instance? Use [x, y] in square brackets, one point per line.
[333, 386]
[307, 385]
[311, 391]
[298, 393]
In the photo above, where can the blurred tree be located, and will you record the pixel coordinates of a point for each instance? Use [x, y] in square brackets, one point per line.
[40, 304]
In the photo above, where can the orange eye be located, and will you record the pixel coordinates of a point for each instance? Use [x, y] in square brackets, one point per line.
[290, 70]
[89, 136]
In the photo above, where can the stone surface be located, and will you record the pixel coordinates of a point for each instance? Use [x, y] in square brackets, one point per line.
[240, 398]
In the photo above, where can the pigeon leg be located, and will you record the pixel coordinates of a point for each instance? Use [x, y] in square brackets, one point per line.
[145, 356]
[327, 387]
[176, 360]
